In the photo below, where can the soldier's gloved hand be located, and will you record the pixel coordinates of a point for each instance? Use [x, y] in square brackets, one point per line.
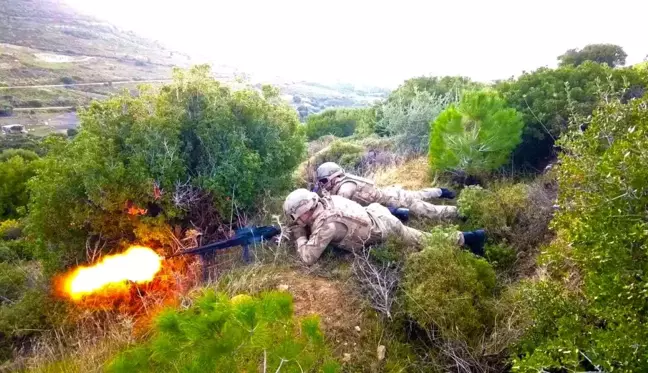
[298, 232]
[447, 193]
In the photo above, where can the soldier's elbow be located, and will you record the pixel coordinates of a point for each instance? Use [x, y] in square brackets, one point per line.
[309, 260]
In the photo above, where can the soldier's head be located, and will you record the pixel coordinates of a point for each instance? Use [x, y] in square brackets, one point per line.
[327, 173]
[299, 206]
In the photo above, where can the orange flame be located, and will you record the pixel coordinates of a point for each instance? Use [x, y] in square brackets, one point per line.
[137, 264]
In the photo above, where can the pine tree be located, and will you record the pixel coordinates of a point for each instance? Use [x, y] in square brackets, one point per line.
[475, 136]
[241, 334]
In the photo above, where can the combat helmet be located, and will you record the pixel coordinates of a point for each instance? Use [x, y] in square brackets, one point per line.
[328, 171]
[299, 202]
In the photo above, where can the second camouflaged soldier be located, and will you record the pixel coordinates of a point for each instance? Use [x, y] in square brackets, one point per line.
[332, 178]
[344, 223]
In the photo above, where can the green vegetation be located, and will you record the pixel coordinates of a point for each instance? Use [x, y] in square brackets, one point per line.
[609, 54]
[590, 313]
[407, 118]
[222, 335]
[340, 123]
[346, 154]
[439, 86]
[16, 168]
[475, 136]
[230, 145]
[450, 290]
[157, 166]
[548, 97]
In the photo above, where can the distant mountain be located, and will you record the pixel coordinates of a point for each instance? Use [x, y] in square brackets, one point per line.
[47, 42]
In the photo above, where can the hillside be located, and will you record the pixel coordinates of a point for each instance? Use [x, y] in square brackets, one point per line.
[46, 42]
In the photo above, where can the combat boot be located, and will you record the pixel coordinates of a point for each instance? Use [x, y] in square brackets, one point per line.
[475, 241]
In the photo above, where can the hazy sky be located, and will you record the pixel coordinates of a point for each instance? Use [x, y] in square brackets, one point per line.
[381, 43]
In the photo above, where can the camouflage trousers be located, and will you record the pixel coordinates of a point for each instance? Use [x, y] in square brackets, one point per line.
[414, 200]
[389, 225]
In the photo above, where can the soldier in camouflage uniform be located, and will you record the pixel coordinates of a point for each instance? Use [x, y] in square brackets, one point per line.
[332, 178]
[344, 223]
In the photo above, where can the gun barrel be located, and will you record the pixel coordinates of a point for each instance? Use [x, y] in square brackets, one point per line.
[243, 237]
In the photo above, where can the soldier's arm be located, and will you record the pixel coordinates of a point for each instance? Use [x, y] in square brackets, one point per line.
[310, 249]
[346, 190]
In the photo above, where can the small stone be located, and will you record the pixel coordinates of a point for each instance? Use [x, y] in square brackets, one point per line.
[346, 344]
[381, 352]
[346, 357]
[283, 287]
[357, 328]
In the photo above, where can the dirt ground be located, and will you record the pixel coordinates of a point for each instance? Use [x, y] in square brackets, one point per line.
[41, 124]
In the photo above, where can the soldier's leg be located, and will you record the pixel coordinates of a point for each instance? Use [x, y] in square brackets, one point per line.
[389, 225]
[422, 208]
[413, 200]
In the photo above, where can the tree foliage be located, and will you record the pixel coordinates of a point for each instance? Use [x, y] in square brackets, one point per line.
[16, 168]
[408, 119]
[340, 123]
[242, 334]
[231, 145]
[547, 97]
[591, 312]
[440, 86]
[609, 54]
[476, 135]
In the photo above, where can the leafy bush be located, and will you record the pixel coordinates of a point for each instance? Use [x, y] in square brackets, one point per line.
[449, 289]
[340, 123]
[514, 214]
[345, 154]
[25, 309]
[240, 334]
[231, 145]
[15, 171]
[6, 109]
[27, 155]
[501, 257]
[496, 210]
[543, 97]
[592, 310]
[440, 86]
[475, 136]
[67, 80]
[10, 229]
[609, 54]
[408, 119]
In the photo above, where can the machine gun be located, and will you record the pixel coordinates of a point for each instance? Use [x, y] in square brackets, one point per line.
[244, 237]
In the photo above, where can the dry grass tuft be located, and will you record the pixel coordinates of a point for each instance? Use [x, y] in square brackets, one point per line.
[412, 174]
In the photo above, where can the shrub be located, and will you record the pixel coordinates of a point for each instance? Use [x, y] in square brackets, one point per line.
[475, 136]
[71, 132]
[501, 257]
[27, 155]
[339, 122]
[67, 80]
[449, 289]
[10, 229]
[547, 97]
[514, 214]
[6, 109]
[345, 154]
[15, 171]
[408, 119]
[496, 210]
[25, 309]
[230, 145]
[440, 86]
[593, 312]
[240, 334]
